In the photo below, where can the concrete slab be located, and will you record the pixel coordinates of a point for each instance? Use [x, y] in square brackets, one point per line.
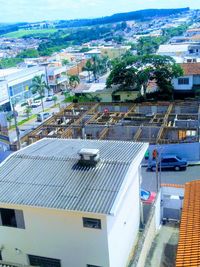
[164, 246]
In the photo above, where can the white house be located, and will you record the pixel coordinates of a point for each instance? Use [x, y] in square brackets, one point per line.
[191, 78]
[70, 203]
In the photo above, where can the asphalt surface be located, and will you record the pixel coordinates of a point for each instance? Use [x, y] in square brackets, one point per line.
[32, 124]
[169, 177]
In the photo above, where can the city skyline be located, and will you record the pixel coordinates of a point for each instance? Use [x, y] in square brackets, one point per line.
[24, 11]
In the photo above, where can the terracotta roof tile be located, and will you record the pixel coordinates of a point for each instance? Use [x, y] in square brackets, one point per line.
[188, 252]
[191, 68]
[173, 185]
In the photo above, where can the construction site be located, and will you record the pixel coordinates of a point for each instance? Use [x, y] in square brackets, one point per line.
[155, 123]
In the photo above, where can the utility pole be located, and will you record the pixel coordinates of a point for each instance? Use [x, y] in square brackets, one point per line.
[157, 174]
[16, 126]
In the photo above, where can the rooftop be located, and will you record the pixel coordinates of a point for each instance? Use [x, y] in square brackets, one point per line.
[188, 253]
[22, 75]
[191, 68]
[173, 48]
[47, 174]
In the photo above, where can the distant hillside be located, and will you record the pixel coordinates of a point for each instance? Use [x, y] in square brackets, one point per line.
[6, 28]
[134, 15]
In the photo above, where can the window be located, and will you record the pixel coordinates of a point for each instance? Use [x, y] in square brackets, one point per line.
[92, 223]
[43, 261]
[182, 81]
[12, 218]
[172, 160]
[165, 160]
[116, 98]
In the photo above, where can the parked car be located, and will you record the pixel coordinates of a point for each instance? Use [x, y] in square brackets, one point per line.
[49, 98]
[169, 162]
[147, 197]
[36, 104]
[43, 116]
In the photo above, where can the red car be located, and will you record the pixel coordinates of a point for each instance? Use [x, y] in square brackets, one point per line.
[147, 197]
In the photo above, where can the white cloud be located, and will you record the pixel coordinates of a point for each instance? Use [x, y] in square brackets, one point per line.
[27, 10]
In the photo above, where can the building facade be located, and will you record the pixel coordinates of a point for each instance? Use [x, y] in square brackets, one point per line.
[77, 203]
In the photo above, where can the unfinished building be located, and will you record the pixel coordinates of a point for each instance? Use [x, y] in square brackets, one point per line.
[156, 123]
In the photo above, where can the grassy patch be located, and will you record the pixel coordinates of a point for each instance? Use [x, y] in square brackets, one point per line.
[23, 33]
[23, 121]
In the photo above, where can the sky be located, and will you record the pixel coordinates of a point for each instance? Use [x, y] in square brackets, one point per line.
[38, 10]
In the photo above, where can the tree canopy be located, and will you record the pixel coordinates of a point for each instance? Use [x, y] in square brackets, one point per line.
[134, 73]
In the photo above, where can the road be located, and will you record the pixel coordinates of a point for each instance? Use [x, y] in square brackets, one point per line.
[169, 177]
[31, 124]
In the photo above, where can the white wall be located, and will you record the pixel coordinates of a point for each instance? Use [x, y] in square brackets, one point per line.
[123, 229]
[183, 87]
[189, 151]
[56, 234]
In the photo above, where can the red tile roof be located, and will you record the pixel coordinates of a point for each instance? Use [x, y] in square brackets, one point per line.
[188, 253]
[191, 68]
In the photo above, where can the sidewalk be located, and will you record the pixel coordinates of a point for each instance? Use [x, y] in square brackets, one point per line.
[190, 163]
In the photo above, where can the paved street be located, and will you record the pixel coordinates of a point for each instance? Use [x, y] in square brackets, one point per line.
[31, 124]
[171, 177]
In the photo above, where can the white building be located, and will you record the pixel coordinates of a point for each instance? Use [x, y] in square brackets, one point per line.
[190, 80]
[18, 84]
[191, 51]
[57, 78]
[63, 207]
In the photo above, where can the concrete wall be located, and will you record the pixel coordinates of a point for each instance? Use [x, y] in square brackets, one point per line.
[106, 96]
[56, 234]
[183, 87]
[123, 229]
[148, 236]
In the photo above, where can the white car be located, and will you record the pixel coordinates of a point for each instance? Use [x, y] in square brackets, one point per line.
[49, 98]
[36, 104]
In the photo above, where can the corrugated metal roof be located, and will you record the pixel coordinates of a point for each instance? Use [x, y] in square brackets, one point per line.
[188, 252]
[47, 174]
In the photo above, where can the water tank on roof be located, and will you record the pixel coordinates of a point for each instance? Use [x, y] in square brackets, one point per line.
[89, 156]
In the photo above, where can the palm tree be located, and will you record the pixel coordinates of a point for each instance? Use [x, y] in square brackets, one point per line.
[9, 119]
[38, 87]
[28, 111]
[55, 99]
[74, 80]
[89, 68]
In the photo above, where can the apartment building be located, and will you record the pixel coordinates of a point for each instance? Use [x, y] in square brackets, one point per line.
[18, 85]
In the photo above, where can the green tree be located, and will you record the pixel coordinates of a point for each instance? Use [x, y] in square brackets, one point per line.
[38, 87]
[89, 68]
[149, 45]
[55, 99]
[65, 62]
[29, 53]
[74, 80]
[134, 72]
[28, 111]
[9, 118]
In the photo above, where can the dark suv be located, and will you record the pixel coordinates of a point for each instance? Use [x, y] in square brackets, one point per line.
[169, 162]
